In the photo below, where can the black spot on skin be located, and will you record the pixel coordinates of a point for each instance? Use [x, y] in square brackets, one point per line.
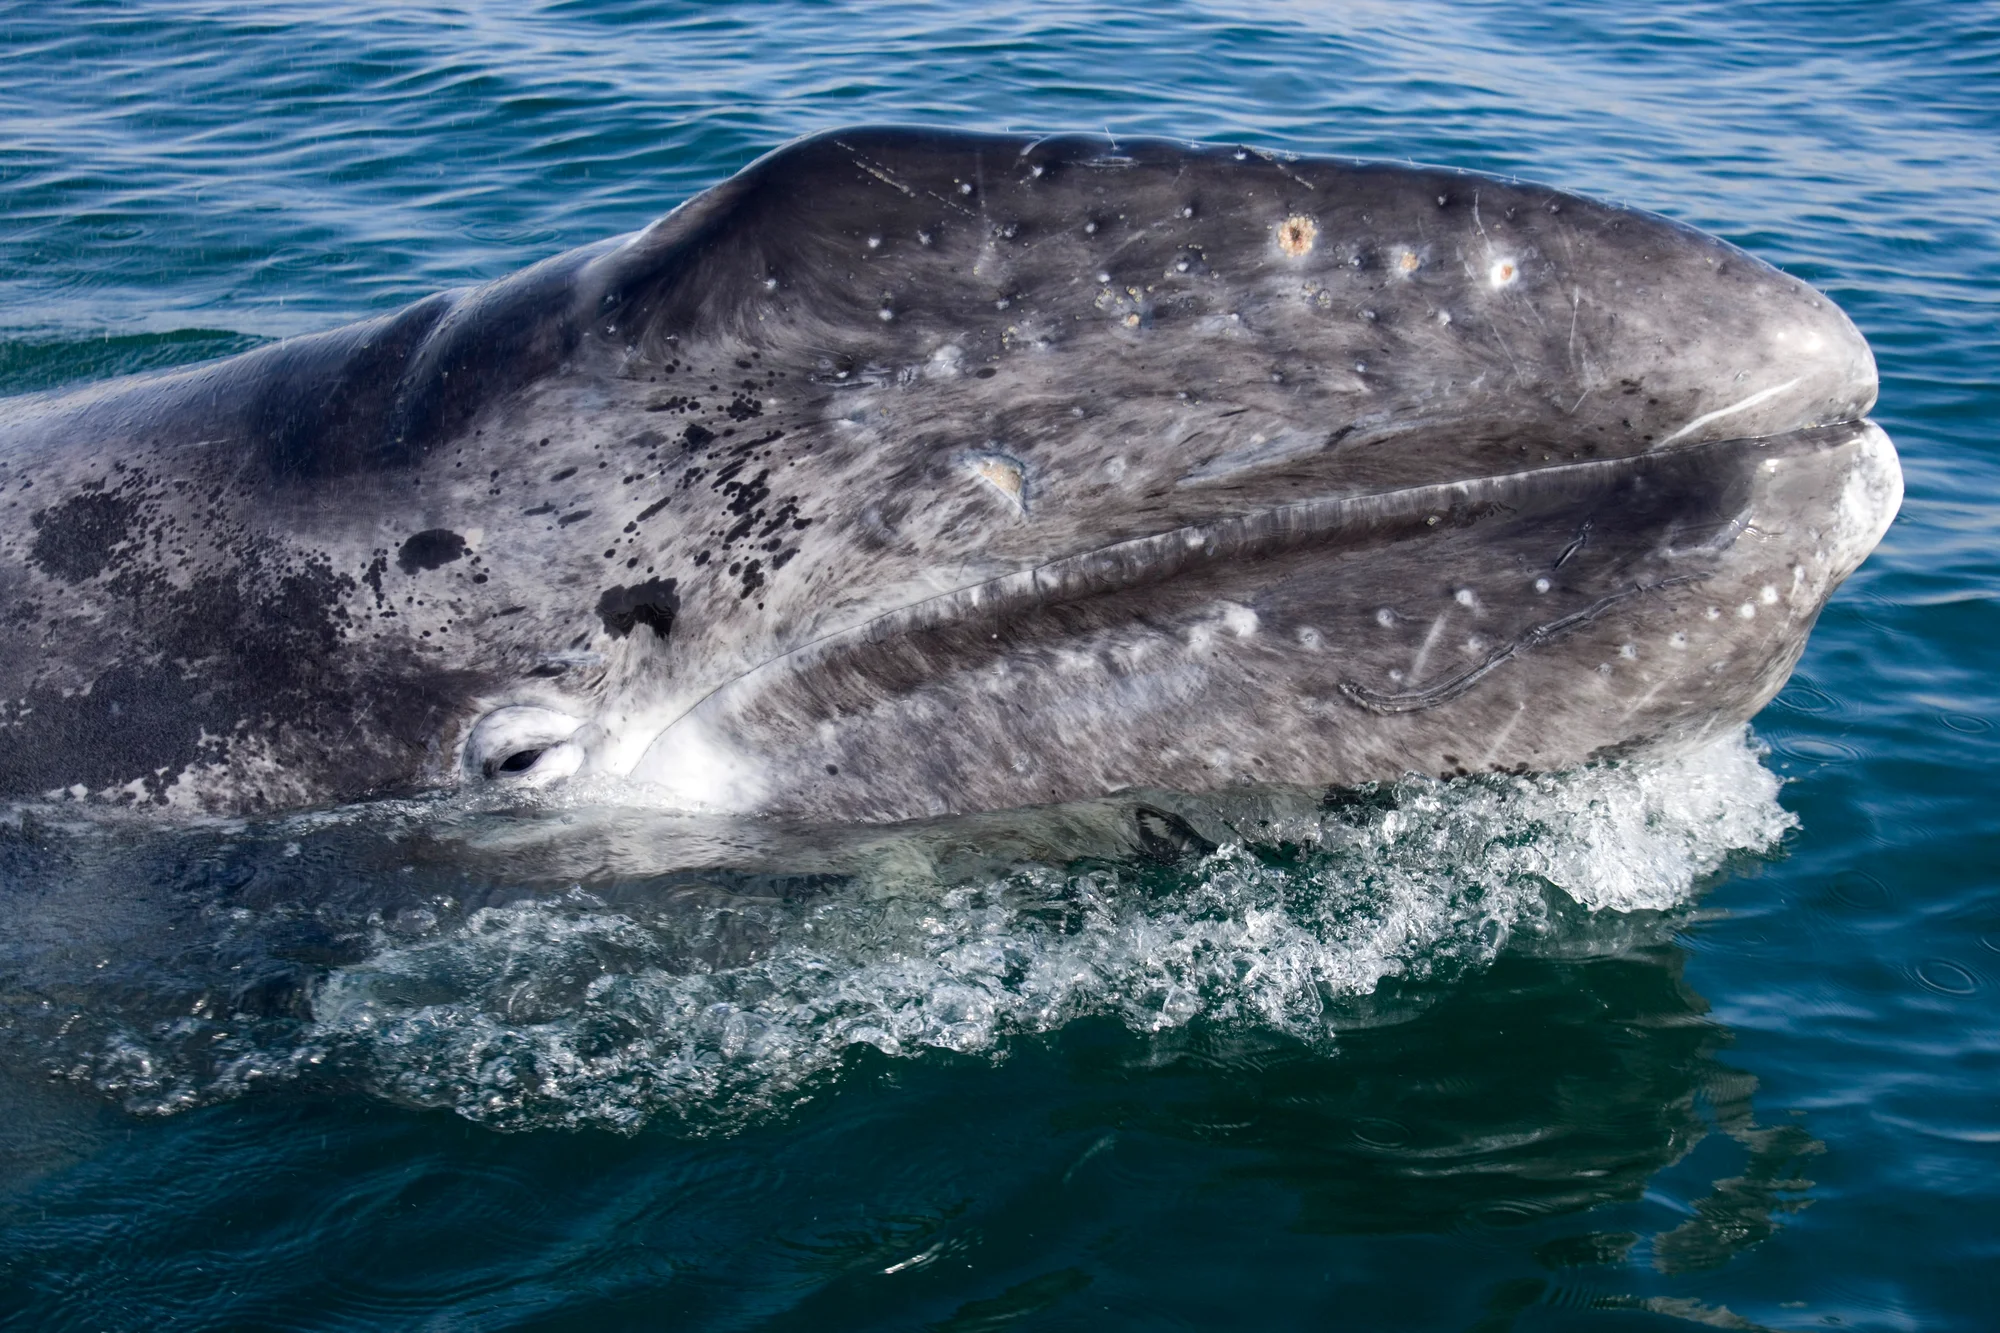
[74, 540]
[653, 604]
[430, 549]
[697, 436]
[652, 509]
[372, 576]
[563, 475]
[576, 517]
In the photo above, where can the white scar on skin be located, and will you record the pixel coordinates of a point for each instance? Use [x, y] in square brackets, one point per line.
[1520, 709]
[1424, 650]
[1731, 410]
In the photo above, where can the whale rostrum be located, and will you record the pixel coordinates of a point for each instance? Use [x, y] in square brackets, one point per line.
[911, 472]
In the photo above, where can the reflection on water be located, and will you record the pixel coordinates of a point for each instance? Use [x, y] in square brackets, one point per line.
[1544, 1086]
[1500, 1105]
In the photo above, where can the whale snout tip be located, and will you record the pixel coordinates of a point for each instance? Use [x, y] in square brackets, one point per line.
[1830, 358]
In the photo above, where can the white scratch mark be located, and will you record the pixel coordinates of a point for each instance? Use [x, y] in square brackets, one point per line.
[1742, 405]
[1430, 642]
[877, 172]
[1493, 750]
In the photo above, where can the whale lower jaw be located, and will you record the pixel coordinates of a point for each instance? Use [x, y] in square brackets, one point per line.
[1536, 619]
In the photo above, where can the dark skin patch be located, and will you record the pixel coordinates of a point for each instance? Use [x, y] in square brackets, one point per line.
[74, 540]
[430, 549]
[249, 652]
[653, 604]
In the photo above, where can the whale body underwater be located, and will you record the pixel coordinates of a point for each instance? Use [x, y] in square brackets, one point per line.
[911, 472]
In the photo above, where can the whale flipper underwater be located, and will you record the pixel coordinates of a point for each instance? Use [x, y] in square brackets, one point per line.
[911, 472]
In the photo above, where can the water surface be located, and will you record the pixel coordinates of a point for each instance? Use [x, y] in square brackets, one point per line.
[1713, 1044]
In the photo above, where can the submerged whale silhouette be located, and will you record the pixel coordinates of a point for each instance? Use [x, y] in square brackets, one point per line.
[910, 472]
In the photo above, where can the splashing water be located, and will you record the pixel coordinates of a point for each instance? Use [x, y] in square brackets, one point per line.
[714, 997]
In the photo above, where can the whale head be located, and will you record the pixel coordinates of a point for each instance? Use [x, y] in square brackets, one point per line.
[911, 472]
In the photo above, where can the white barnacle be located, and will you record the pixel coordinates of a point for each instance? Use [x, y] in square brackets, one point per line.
[874, 242]
[1628, 650]
[1385, 617]
[885, 314]
[1713, 613]
[1464, 597]
[1309, 638]
[945, 362]
[1239, 620]
[1769, 595]
[1747, 611]
[1678, 638]
[770, 284]
[965, 187]
[1504, 273]
[1541, 585]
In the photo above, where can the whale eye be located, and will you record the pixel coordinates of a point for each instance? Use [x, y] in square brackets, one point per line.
[511, 742]
[518, 762]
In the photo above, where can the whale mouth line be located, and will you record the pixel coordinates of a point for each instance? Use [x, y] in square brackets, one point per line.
[1370, 518]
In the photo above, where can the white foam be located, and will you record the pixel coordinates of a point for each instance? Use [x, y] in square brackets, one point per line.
[569, 1011]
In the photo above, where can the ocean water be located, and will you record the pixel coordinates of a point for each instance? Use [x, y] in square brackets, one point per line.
[1712, 1042]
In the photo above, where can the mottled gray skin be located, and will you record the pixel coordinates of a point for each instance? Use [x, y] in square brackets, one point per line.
[911, 472]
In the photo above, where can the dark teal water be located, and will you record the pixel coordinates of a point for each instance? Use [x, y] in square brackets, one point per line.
[1635, 1049]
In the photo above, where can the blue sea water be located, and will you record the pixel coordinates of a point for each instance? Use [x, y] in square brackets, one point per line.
[1715, 1044]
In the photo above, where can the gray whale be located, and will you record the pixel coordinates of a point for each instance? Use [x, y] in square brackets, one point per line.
[911, 472]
